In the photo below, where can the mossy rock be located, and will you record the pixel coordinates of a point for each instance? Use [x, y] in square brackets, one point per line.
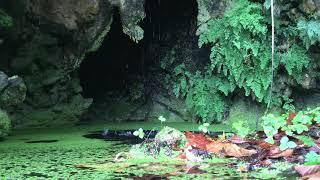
[5, 124]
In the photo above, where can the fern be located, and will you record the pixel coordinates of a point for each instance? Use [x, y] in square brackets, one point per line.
[309, 31]
[5, 20]
[241, 47]
[204, 97]
[295, 60]
[239, 50]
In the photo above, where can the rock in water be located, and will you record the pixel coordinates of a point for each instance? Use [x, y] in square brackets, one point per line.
[171, 136]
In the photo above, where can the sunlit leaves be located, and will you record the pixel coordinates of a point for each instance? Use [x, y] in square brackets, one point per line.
[139, 133]
[285, 143]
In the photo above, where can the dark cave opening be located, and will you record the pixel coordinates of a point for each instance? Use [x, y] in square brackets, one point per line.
[109, 68]
[120, 62]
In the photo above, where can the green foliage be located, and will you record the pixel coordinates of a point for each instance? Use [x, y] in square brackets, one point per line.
[294, 60]
[306, 140]
[309, 31]
[5, 20]
[271, 125]
[241, 50]
[286, 144]
[204, 127]
[139, 133]
[204, 97]
[203, 93]
[312, 158]
[242, 128]
[299, 124]
[5, 124]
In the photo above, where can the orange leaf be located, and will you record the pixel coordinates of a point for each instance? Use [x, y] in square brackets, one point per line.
[229, 149]
[197, 140]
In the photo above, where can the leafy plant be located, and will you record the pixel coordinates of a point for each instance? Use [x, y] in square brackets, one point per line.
[241, 128]
[162, 119]
[306, 140]
[312, 158]
[299, 124]
[204, 127]
[286, 144]
[271, 125]
[139, 133]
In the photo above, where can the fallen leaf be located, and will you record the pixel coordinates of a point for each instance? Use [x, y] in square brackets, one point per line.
[305, 170]
[275, 152]
[229, 149]
[237, 140]
[315, 176]
[182, 156]
[265, 145]
[199, 141]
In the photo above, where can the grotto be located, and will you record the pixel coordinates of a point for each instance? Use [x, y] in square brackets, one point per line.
[159, 89]
[121, 67]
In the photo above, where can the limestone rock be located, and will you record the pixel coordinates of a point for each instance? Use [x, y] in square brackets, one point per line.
[15, 92]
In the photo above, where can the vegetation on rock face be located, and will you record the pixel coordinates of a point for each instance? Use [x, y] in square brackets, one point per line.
[240, 60]
[5, 124]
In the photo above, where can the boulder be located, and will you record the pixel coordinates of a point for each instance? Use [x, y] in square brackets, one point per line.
[14, 93]
[171, 136]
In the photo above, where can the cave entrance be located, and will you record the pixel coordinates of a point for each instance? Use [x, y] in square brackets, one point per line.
[111, 66]
[120, 62]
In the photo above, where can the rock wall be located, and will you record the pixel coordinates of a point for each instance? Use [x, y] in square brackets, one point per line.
[49, 41]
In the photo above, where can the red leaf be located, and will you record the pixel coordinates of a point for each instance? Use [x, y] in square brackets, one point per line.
[182, 156]
[197, 140]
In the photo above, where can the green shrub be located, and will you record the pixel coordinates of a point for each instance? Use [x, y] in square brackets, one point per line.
[5, 124]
